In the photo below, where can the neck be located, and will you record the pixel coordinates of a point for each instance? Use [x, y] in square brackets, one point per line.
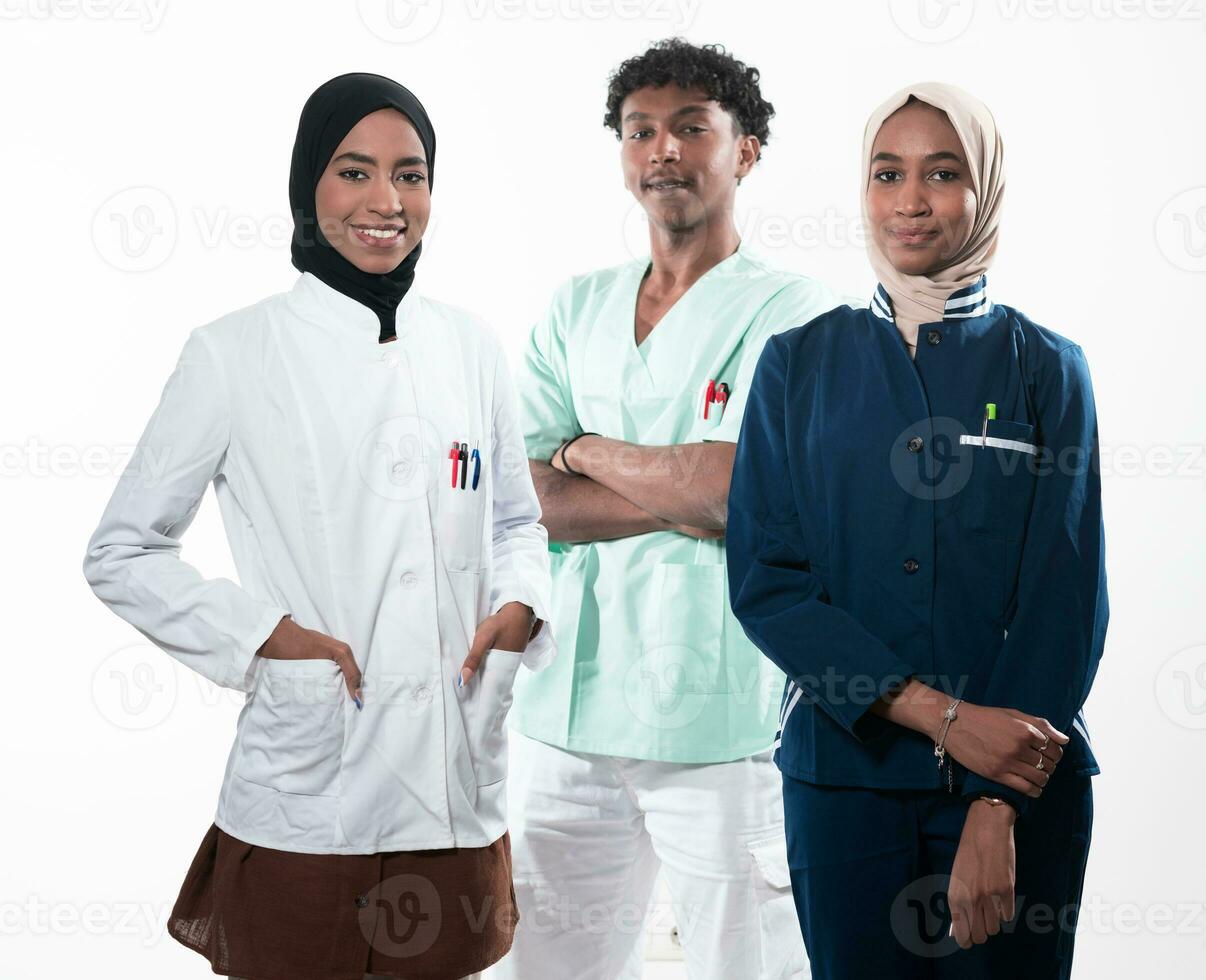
[683, 256]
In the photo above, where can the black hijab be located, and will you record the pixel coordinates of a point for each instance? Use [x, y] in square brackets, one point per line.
[327, 117]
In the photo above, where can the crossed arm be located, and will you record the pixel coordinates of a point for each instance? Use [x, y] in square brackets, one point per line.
[626, 489]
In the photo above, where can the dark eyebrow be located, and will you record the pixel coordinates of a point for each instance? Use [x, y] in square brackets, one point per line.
[929, 158]
[365, 158]
[684, 111]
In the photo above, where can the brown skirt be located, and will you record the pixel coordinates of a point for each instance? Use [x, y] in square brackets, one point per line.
[266, 914]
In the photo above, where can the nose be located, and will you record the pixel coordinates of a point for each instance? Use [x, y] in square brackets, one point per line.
[384, 198]
[663, 149]
[911, 198]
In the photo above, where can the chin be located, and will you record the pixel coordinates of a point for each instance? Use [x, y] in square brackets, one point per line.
[914, 263]
[674, 220]
[378, 265]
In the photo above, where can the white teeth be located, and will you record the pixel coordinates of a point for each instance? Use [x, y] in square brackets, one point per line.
[378, 232]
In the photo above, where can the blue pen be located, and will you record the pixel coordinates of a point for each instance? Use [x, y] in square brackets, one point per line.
[477, 465]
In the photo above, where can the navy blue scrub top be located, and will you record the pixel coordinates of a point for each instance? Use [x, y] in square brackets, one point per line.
[878, 530]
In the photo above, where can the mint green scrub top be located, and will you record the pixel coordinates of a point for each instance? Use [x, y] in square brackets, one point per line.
[652, 662]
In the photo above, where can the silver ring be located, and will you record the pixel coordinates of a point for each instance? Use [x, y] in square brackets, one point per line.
[1046, 740]
[1042, 759]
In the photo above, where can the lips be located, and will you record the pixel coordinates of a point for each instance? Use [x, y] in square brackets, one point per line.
[378, 236]
[913, 236]
[663, 185]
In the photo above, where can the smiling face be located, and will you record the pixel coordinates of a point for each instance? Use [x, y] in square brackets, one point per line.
[682, 156]
[373, 200]
[920, 199]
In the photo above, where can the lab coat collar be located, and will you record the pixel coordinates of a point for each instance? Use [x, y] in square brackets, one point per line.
[963, 304]
[315, 300]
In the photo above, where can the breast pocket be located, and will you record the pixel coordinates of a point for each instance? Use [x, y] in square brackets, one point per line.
[463, 508]
[1000, 487]
[292, 735]
[484, 703]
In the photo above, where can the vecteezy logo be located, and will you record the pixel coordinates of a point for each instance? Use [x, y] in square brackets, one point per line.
[1181, 230]
[920, 917]
[401, 21]
[668, 687]
[940, 468]
[135, 229]
[932, 21]
[1181, 687]
[396, 458]
[135, 687]
[401, 916]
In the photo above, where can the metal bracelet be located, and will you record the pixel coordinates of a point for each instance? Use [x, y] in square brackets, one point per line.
[940, 743]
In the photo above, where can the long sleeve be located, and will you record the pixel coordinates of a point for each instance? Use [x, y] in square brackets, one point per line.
[133, 563]
[779, 602]
[1055, 641]
[520, 556]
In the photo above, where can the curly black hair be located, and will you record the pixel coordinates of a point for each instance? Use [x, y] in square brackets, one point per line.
[709, 67]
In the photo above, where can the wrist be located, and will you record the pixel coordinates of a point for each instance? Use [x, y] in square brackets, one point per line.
[918, 707]
[992, 811]
[572, 455]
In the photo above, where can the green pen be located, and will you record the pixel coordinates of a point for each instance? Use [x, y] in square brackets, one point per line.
[990, 412]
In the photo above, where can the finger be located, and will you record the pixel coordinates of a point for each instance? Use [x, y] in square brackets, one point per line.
[1038, 778]
[351, 673]
[481, 643]
[1020, 785]
[1044, 726]
[992, 915]
[959, 927]
[978, 935]
[1007, 906]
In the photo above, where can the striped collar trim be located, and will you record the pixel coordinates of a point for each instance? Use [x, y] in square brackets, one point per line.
[962, 304]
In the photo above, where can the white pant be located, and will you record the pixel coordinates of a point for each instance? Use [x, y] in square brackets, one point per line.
[589, 834]
[376, 976]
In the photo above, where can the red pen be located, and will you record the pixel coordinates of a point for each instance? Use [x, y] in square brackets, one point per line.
[722, 394]
[454, 455]
[710, 395]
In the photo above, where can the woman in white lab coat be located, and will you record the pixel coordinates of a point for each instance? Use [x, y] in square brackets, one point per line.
[364, 450]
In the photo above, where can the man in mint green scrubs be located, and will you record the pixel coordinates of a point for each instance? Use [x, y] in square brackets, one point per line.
[646, 745]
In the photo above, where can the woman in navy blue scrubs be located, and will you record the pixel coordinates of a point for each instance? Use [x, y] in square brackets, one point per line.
[915, 538]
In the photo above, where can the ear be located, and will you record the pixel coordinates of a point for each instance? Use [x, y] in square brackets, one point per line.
[748, 148]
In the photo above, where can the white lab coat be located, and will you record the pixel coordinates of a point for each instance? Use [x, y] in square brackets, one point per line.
[329, 457]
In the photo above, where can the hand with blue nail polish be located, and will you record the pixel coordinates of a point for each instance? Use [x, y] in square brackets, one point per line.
[507, 630]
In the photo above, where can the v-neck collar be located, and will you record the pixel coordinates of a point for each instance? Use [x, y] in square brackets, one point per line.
[639, 269]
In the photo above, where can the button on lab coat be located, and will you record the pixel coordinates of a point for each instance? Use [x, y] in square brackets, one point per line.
[329, 456]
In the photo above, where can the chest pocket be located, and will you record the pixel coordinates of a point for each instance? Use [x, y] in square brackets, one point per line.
[463, 510]
[996, 498]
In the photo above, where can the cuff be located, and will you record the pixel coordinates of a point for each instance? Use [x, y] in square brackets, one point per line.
[854, 712]
[246, 661]
[542, 647]
[976, 785]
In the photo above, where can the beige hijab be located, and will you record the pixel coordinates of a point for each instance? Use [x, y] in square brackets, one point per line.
[921, 299]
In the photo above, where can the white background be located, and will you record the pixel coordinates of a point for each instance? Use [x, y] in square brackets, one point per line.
[171, 124]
